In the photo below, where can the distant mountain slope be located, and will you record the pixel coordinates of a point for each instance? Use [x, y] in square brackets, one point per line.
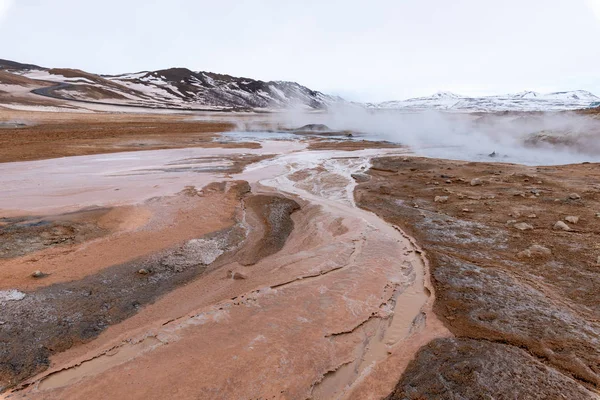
[217, 90]
[7, 64]
[523, 101]
[183, 89]
[177, 88]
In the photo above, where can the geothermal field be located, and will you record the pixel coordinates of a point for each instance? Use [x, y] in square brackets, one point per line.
[345, 252]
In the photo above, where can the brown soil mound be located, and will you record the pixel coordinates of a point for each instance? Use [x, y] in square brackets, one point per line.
[500, 270]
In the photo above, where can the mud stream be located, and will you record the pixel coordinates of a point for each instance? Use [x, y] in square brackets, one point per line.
[346, 292]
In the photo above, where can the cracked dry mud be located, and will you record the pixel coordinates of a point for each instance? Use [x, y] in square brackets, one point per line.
[526, 323]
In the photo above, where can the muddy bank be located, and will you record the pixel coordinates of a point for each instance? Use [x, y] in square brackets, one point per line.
[37, 324]
[351, 145]
[99, 134]
[502, 269]
[27, 234]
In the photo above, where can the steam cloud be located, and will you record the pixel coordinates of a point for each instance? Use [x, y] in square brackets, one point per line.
[532, 139]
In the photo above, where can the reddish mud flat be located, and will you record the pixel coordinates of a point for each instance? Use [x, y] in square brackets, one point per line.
[282, 288]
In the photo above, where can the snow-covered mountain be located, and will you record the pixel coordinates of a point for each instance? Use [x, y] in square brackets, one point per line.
[178, 88]
[523, 101]
[183, 89]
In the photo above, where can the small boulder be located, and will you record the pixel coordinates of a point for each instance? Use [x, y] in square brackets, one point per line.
[143, 271]
[574, 196]
[572, 219]
[235, 275]
[523, 226]
[360, 177]
[561, 226]
[37, 274]
[441, 199]
[476, 182]
[535, 250]
[532, 216]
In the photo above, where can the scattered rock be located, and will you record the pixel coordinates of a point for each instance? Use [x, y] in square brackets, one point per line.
[532, 216]
[523, 226]
[448, 181]
[475, 182]
[561, 226]
[360, 178]
[441, 199]
[38, 274]
[574, 196]
[235, 275]
[143, 271]
[535, 250]
[572, 219]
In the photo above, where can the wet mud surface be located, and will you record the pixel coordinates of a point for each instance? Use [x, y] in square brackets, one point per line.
[36, 324]
[502, 271]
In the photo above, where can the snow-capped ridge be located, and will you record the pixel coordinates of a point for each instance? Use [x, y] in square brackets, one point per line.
[522, 101]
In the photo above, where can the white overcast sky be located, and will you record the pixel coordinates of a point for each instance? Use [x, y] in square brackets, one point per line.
[363, 50]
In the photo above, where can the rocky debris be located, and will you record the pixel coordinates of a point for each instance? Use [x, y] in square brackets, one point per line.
[572, 219]
[476, 182]
[561, 226]
[523, 226]
[457, 368]
[495, 286]
[441, 199]
[236, 275]
[535, 250]
[574, 196]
